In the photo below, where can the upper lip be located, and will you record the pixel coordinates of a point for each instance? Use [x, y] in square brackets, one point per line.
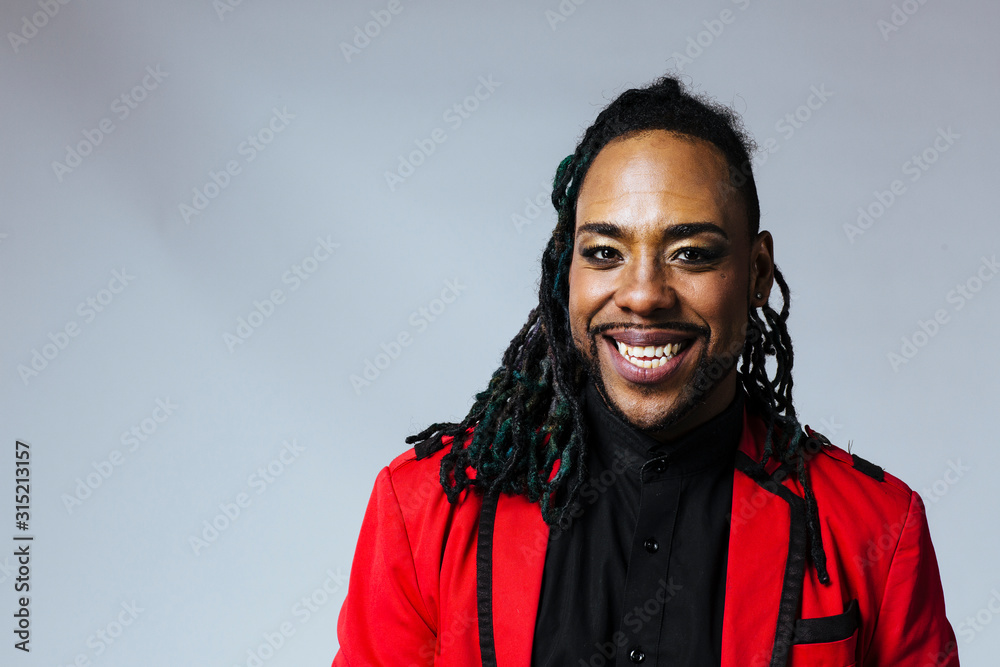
[634, 338]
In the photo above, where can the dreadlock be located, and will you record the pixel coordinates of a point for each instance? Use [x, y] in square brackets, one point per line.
[531, 414]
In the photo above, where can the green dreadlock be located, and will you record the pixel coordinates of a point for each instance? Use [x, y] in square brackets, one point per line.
[531, 414]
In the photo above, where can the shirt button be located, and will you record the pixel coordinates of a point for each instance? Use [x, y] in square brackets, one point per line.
[652, 546]
[659, 466]
[637, 655]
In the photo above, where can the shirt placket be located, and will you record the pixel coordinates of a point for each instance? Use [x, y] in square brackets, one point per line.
[648, 586]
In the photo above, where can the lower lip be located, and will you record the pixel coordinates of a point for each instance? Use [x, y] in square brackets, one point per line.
[633, 373]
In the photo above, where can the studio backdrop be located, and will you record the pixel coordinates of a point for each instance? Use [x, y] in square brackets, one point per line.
[247, 247]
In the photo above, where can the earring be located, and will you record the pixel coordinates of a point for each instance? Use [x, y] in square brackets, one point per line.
[759, 295]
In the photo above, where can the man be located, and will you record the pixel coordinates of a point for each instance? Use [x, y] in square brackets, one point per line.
[622, 493]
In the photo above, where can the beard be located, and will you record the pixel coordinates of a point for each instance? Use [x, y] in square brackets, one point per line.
[709, 372]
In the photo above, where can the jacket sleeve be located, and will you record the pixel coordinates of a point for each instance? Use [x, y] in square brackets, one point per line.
[384, 620]
[911, 629]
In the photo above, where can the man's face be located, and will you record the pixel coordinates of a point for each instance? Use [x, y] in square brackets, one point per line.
[663, 264]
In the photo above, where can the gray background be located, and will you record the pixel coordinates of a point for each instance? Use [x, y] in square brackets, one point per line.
[223, 75]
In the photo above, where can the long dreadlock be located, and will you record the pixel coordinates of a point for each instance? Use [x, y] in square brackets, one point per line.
[531, 414]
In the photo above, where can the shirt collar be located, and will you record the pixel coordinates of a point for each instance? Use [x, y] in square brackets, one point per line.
[712, 443]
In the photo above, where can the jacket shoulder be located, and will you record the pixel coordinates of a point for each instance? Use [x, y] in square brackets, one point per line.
[416, 482]
[408, 463]
[844, 471]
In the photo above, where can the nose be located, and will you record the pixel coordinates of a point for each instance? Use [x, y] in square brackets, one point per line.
[645, 287]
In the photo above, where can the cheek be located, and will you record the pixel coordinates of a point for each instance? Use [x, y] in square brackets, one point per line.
[577, 301]
[585, 299]
[721, 302]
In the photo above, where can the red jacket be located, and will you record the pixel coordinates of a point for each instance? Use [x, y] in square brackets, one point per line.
[415, 589]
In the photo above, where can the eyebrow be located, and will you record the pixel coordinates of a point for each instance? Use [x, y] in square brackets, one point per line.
[671, 233]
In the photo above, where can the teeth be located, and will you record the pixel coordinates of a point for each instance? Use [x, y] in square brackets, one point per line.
[648, 356]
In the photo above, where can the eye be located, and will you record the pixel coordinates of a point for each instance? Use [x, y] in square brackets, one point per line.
[693, 255]
[600, 253]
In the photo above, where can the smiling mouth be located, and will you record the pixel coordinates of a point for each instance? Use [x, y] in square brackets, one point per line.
[649, 356]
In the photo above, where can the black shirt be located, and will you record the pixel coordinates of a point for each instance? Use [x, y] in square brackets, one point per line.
[638, 575]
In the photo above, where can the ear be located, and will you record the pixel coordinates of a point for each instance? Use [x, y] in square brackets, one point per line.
[761, 269]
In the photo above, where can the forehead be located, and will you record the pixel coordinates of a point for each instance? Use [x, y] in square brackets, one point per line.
[659, 177]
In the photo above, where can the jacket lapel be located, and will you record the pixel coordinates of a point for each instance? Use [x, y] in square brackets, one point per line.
[520, 539]
[764, 573]
[766, 563]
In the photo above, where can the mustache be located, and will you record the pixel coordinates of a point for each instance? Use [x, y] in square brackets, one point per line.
[686, 327]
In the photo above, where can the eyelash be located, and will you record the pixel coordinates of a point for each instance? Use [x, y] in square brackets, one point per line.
[707, 255]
